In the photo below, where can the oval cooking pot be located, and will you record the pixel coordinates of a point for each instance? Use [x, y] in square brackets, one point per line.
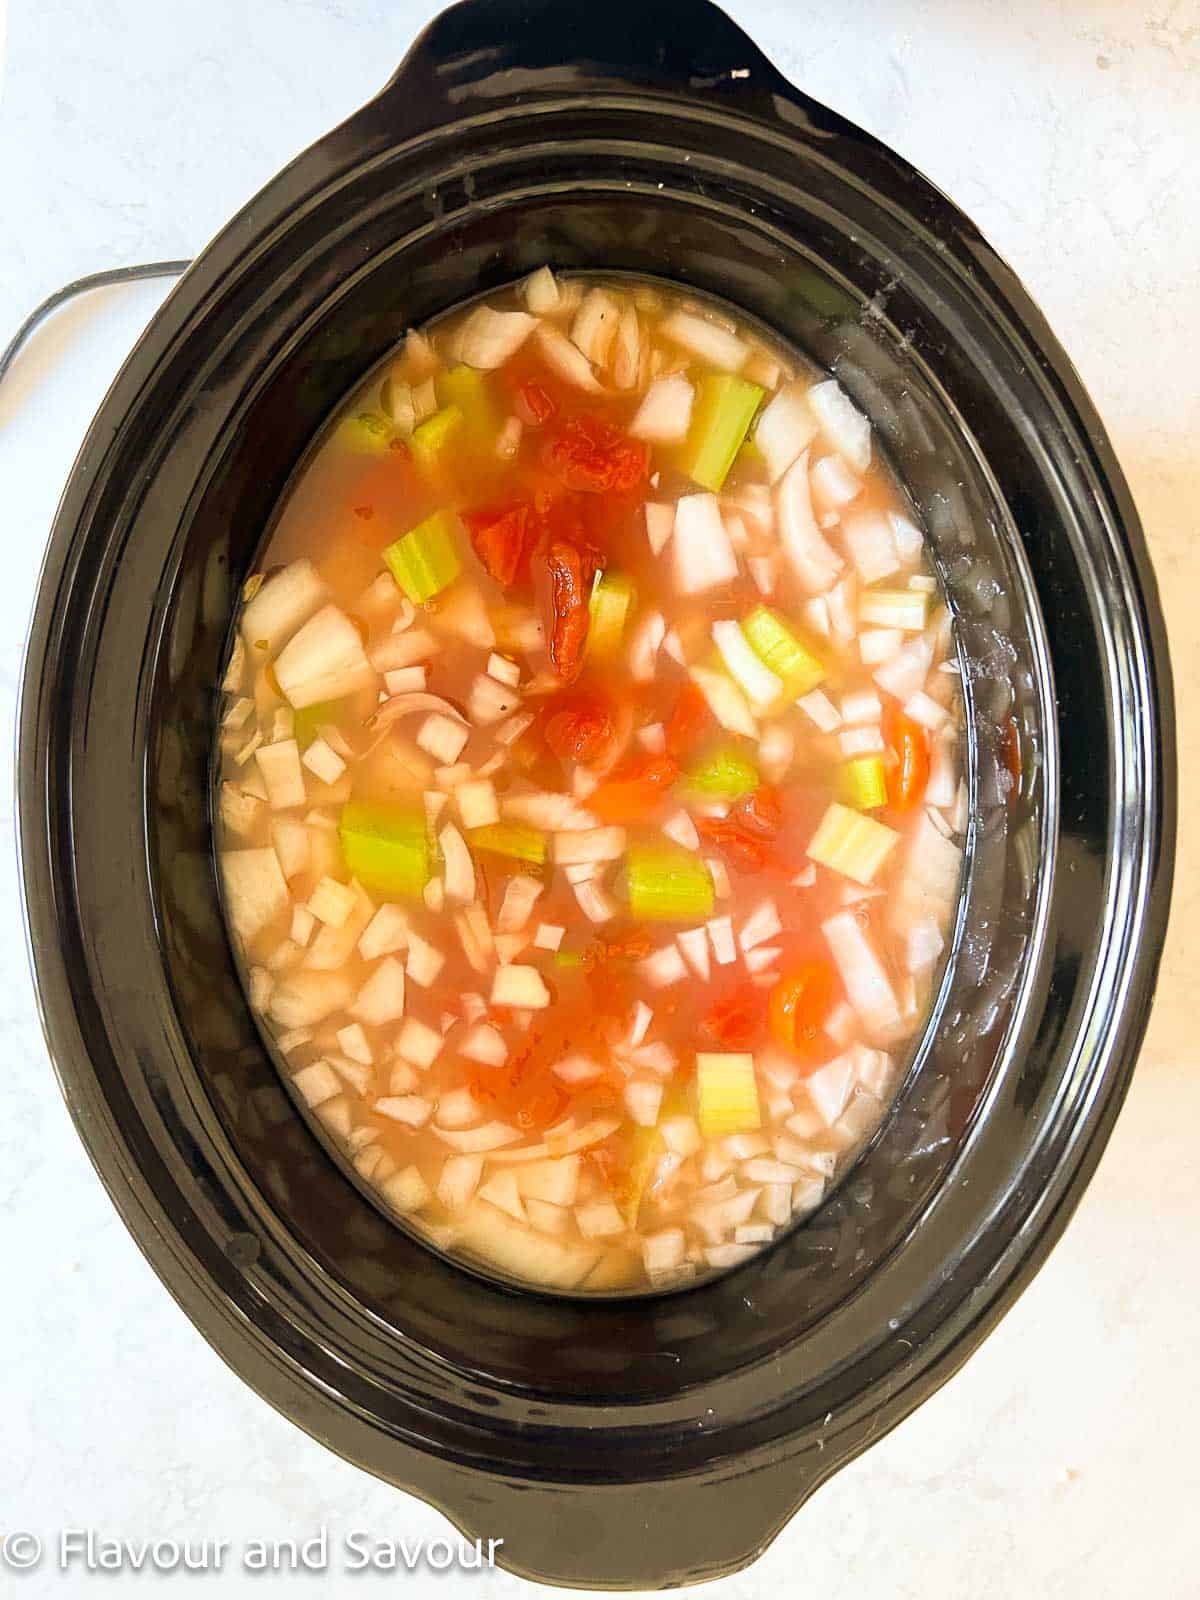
[654, 1440]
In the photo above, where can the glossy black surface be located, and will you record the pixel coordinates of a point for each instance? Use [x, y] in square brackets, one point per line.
[648, 1441]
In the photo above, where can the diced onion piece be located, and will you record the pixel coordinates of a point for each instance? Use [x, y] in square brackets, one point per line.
[332, 902]
[725, 701]
[459, 1179]
[473, 1141]
[776, 751]
[920, 707]
[503, 670]
[905, 609]
[643, 1098]
[520, 987]
[758, 681]
[509, 732]
[819, 708]
[867, 985]
[419, 1043]
[906, 672]
[303, 924]
[673, 646]
[830, 1087]
[406, 680]
[595, 325]
[625, 356]
[476, 802]
[323, 761]
[317, 1083]
[549, 936]
[833, 484]
[923, 944]
[381, 998]
[279, 766]
[786, 428]
[727, 1093]
[703, 556]
[720, 931]
[644, 644]
[553, 813]
[711, 343]
[413, 1110]
[599, 1220]
[591, 844]
[490, 701]
[541, 292]
[665, 414]
[852, 844]
[596, 903]
[396, 652]
[843, 424]
[815, 563]
[256, 891]
[652, 737]
[861, 742]
[868, 538]
[642, 1018]
[877, 645]
[576, 1069]
[680, 1135]
[485, 1044]
[693, 942]
[520, 896]
[424, 963]
[682, 830]
[324, 661]
[910, 541]
[942, 788]
[501, 1191]
[304, 998]
[488, 338]
[282, 604]
[443, 738]
[459, 868]
[664, 1252]
[663, 968]
[762, 924]
[763, 957]
[563, 358]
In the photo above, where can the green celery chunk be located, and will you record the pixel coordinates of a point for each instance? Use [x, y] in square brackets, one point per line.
[726, 774]
[512, 839]
[611, 600]
[778, 648]
[849, 843]
[465, 390]
[568, 958]
[668, 885]
[864, 783]
[308, 719]
[726, 1095]
[386, 847]
[724, 409]
[370, 433]
[431, 439]
[426, 560]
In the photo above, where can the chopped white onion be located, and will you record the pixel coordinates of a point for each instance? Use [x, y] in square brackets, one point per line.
[487, 339]
[815, 563]
[863, 975]
[714, 345]
[704, 558]
[819, 708]
[725, 701]
[693, 942]
[644, 644]
[520, 987]
[762, 924]
[660, 525]
[784, 430]
[663, 968]
[682, 830]
[521, 894]
[665, 415]
[843, 424]
[459, 877]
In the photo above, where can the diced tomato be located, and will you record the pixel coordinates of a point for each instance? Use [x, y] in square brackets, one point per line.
[534, 406]
[592, 456]
[909, 775]
[740, 849]
[799, 1005]
[501, 538]
[736, 1021]
[636, 795]
[690, 724]
[570, 582]
[759, 813]
[581, 730]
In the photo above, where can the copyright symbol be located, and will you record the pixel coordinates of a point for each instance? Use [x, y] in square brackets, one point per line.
[20, 1551]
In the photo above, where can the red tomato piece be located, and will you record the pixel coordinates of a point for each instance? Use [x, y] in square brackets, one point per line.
[638, 794]
[759, 814]
[690, 724]
[908, 777]
[593, 457]
[534, 406]
[500, 538]
[581, 730]
[740, 849]
[736, 1021]
[799, 1005]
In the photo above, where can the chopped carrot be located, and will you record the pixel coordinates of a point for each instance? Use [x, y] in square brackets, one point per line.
[691, 722]
[908, 777]
[639, 794]
[798, 1006]
[736, 1021]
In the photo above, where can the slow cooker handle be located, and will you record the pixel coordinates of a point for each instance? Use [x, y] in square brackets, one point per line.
[482, 53]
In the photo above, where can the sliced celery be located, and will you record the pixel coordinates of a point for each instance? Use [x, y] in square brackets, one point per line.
[726, 774]
[668, 885]
[426, 560]
[511, 839]
[435, 434]
[864, 783]
[849, 843]
[721, 418]
[609, 607]
[727, 1095]
[907, 609]
[778, 648]
[386, 847]
[464, 389]
[370, 433]
[568, 958]
[307, 719]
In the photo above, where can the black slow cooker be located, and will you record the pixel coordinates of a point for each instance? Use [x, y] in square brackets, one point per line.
[653, 1440]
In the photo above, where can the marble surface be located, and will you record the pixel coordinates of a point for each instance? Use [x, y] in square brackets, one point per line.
[1057, 1464]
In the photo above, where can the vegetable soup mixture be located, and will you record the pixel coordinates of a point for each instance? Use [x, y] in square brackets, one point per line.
[591, 810]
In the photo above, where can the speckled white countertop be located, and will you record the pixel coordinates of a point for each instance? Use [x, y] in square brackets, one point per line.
[1060, 1462]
